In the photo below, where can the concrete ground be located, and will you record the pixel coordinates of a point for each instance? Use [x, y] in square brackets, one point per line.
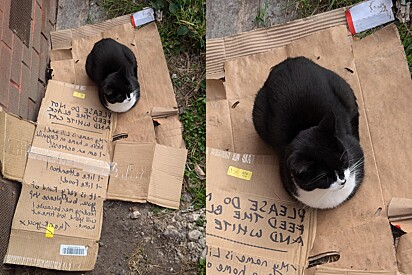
[224, 18]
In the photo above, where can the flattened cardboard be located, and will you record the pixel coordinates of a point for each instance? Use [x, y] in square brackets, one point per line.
[246, 224]
[348, 228]
[387, 101]
[157, 101]
[59, 213]
[144, 171]
[65, 182]
[16, 135]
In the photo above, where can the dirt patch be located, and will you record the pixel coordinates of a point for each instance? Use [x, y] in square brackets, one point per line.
[145, 239]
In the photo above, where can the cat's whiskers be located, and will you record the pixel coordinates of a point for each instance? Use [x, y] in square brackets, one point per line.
[357, 164]
[318, 177]
[343, 153]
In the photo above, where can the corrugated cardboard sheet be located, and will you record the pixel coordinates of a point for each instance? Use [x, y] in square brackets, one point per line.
[65, 182]
[136, 157]
[58, 219]
[16, 136]
[359, 230]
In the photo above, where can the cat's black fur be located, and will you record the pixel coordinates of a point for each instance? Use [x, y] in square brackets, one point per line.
[310, 116]
[113, 67]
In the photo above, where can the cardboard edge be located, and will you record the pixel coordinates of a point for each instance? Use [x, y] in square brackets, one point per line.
[176, 154]
[37, 262]
[262, 40]
[62, 39]
[4, 117]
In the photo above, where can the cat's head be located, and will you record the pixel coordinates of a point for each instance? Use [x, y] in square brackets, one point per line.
[317, 159]
[120, 87]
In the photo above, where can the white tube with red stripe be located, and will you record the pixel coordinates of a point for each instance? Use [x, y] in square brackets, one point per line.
[142, 17]
[369, 14]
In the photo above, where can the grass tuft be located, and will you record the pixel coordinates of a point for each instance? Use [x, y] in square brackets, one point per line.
[201, 267]
[194, 133]
[182, 27]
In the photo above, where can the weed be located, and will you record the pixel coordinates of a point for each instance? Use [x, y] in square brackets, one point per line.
[158, 210]
[201, 267]
[194, 133]
[405, 33]
[261, 17]
[201, 222]
[183, 25]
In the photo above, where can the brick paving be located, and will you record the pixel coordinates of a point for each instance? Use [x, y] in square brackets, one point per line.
[23, 68]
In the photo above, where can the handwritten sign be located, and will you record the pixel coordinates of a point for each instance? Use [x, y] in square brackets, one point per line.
[69, 200]
[223, 261]
[70, 141]
[257, 226]
[65, 180]
[76, 116]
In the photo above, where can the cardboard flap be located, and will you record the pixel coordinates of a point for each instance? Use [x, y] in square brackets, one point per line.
[16, 136]
[404, 254]
[400, 213]
[251, 217]
[167, 176]
[132, 171]
[400, 209]
[169, 132]
[58, 55]
[79, 256]
[163, 112]
[147, 172]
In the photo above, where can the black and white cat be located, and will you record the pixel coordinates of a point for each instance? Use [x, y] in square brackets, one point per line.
[310, 116]
[113, 67]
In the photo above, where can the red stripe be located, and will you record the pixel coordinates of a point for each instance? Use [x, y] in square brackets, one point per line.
[133, 23]
[350, 22]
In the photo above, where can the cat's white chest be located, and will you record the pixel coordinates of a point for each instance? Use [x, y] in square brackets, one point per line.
[124, 106]
[331, 197]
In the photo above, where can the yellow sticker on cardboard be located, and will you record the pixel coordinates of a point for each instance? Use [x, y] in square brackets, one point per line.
[239, 173]
[49, 231]
[79, 95]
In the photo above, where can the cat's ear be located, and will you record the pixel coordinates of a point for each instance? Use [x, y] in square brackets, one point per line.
[328, 122]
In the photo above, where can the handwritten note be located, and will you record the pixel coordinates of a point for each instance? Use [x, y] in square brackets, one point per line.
[68, 200]
[70, 141]
[66, 175]
[86, 118]
[265, 228]
[224, 261]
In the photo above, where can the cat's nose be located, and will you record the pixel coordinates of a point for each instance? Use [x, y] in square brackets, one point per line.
[342, 182]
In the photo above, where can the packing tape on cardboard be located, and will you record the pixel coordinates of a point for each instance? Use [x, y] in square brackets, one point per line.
[90, 165]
